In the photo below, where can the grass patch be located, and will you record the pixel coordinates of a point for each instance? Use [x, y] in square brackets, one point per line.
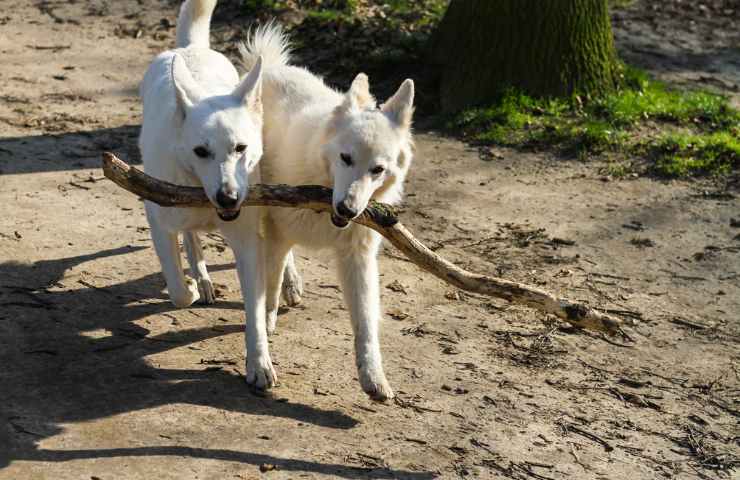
[683, 132]
[687, 154]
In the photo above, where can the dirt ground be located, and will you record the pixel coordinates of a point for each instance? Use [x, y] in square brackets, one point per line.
[102, 378]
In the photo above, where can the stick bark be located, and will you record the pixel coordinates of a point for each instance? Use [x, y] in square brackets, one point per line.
[383, 219]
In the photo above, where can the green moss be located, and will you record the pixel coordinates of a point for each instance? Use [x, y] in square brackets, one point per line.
[642, 118]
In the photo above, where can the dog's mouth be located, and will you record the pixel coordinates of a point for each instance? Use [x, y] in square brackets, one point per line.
[339, 222]
[228, 215]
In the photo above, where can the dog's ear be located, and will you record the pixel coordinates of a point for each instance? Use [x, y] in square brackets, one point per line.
[249, 91]
[187, 90]
[400, 107]
[358, 96]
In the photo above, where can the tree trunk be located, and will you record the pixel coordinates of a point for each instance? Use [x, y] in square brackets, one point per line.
[541, 47]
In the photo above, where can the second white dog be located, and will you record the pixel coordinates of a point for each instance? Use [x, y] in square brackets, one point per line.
[315, 135]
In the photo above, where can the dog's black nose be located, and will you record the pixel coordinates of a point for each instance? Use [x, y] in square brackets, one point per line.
[227, 198]
[345, 211]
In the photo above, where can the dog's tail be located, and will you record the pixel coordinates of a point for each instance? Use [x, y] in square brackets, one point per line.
[194, 23]
[268, 41]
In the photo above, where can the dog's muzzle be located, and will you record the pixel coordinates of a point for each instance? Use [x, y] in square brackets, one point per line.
[338, 221]
[228, 215]
[342, 215]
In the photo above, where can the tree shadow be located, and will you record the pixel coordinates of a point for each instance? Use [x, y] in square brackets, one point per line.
[57, 372]
[284, 464]
[76, 150]
[662, 60]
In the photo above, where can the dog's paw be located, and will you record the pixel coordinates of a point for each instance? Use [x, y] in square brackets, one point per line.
[271, 321]
[260, 373]
[206, 291]
[376, 386]
[292, 290]
[188, 296]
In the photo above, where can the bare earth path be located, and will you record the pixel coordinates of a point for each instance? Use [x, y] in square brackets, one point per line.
[100, 377]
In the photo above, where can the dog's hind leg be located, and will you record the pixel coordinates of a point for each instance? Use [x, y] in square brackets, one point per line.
[358, 272]
[278, 259]
[292, 282]
[194, 251]
[183, 291]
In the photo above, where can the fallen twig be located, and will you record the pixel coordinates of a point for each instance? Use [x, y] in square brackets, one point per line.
[634, 399]
[591, 436]
[689, 324]
[381, 218]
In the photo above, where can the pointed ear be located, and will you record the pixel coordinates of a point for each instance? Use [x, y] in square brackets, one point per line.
[187, 90]
[249, 91]
[358, 96]
[400, 107]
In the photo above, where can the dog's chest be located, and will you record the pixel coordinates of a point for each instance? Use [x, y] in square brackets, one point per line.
[182, 219]
[315, 230]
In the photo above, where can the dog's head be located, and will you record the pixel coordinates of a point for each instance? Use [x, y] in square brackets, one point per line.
[368, 149]
[220, 136]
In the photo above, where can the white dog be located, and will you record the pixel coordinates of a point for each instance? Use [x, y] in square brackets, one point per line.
[315, 135]
[203, 127]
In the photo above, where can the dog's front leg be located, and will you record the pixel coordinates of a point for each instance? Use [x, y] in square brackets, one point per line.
[358, 271]
[249, 254]
[183, 291]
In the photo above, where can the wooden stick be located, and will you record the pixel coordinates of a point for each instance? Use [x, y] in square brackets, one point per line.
[383, 219]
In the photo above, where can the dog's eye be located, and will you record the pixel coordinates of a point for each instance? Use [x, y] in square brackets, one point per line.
[240, 148]
[201, 151]
[346, 158]
[377, 170]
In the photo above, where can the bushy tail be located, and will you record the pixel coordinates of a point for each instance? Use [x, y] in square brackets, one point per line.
[268, 41]
[194, 23]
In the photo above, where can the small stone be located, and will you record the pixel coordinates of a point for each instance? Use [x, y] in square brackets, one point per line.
[396, 286]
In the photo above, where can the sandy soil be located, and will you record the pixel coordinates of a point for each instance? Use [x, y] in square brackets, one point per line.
[102, 378]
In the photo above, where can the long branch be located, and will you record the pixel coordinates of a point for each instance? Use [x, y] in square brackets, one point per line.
[381, 218]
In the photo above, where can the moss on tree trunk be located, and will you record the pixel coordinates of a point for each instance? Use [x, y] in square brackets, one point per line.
[543, 47]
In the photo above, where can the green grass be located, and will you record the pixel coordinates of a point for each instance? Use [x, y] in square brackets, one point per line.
[680, 154]
[684, 132]
[644, 100]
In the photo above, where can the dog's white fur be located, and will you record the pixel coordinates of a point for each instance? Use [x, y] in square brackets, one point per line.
[308, 129]
[193, 98]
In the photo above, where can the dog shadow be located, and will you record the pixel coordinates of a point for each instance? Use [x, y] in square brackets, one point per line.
[57, 371]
